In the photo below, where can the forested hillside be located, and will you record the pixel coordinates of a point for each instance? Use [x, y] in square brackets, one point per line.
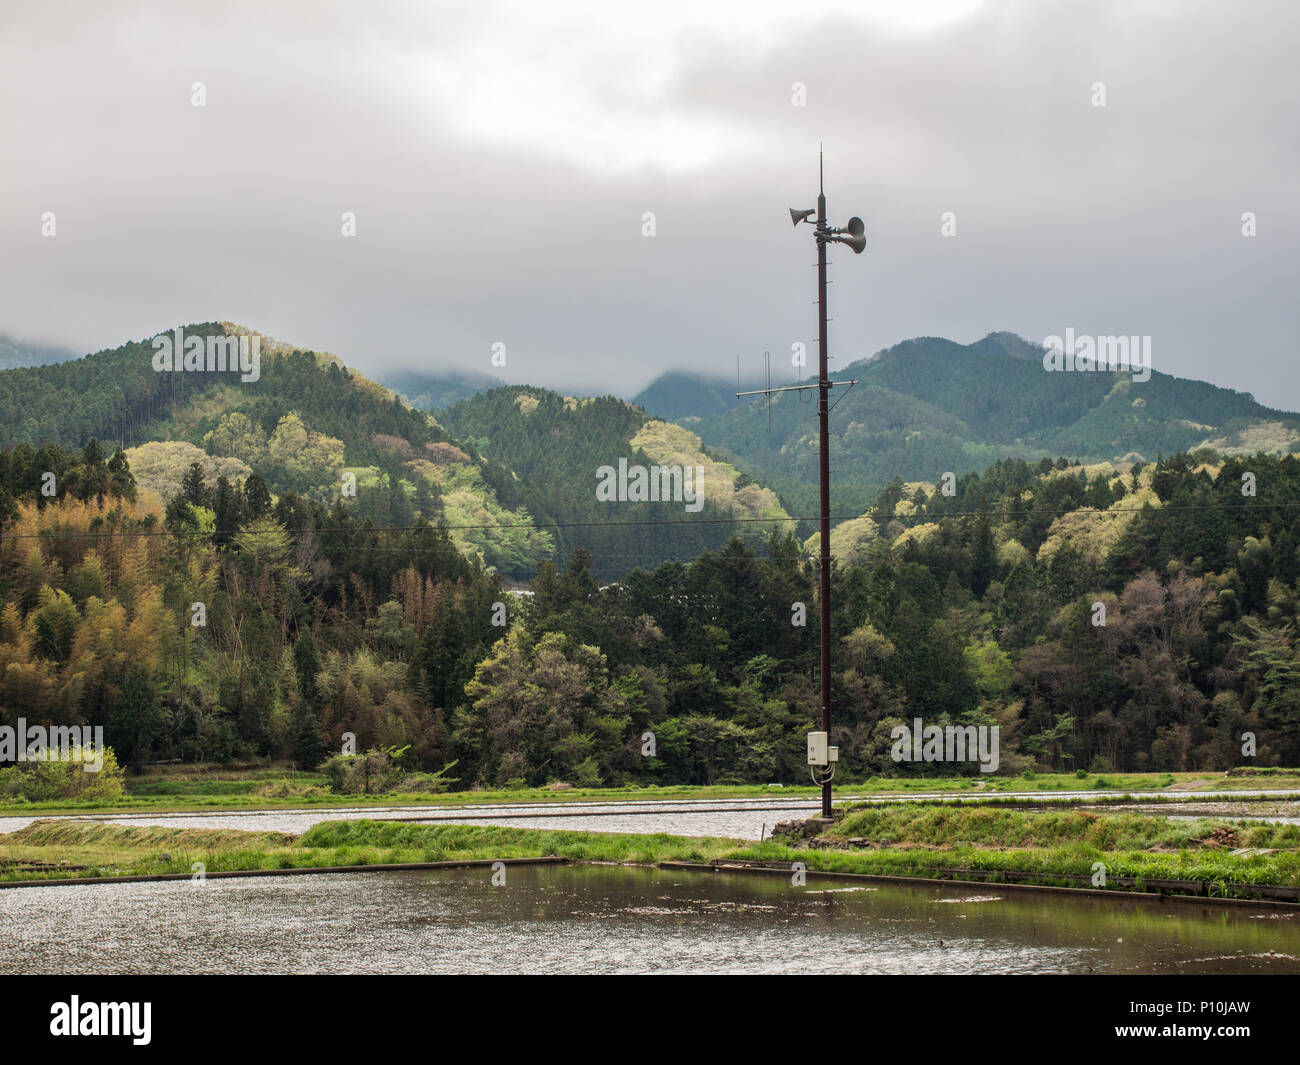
[306, 425]
[226, 626]
[543, 452]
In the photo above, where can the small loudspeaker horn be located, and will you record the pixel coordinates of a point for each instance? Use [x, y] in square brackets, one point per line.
[800, 216]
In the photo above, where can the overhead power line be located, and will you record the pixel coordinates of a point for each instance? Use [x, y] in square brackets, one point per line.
[993, 513]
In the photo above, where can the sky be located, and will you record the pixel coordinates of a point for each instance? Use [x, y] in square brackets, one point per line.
[1093, 162]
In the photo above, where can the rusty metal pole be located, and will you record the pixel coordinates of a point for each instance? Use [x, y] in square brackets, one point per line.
[824, 457]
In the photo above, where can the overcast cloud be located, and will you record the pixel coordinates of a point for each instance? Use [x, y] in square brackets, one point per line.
[499, 157]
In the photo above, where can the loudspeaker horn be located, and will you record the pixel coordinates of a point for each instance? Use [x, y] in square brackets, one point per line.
[854, 235]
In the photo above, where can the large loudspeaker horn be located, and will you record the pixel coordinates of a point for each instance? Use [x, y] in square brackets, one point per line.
[854, 235]
[798, 216]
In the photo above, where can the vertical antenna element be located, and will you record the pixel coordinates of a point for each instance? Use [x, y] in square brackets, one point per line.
[767, 358]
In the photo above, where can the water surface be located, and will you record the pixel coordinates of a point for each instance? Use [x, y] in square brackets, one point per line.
[610, 919]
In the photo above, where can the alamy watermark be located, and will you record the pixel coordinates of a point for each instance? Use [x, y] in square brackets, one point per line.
[666, 484]
[57, 743]
[241, 354]
[946, 743]
[77, 1018]
[1086, 354]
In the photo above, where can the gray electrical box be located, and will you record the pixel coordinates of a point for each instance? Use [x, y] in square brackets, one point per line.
[817, 752]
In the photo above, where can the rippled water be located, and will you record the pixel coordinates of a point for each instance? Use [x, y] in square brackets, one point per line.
[606, 919]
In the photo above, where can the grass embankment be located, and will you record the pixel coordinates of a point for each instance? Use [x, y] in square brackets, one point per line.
[100, 849]
[195, 789]
[902, 840]
[95, 848]
[908, 839]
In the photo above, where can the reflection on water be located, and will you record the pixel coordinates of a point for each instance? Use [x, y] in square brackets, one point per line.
[611, 919]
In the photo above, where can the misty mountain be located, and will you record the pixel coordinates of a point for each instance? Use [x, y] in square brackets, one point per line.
[511, 471]
[929, 405]
[14, 353]
[678, 394]
[433, 391]
[437, 390]
[503, 458]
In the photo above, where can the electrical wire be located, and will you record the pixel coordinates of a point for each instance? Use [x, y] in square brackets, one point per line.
[1088, 512]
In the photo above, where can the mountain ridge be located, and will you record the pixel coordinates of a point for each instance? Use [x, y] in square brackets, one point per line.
[921, 408]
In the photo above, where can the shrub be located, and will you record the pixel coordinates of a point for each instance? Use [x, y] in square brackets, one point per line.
[378, 771]
[47, 781]
[427, 783]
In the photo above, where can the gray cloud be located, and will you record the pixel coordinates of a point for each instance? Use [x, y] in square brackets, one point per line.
[499, 161]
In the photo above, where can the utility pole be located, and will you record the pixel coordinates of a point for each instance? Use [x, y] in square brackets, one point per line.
[821, 755]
